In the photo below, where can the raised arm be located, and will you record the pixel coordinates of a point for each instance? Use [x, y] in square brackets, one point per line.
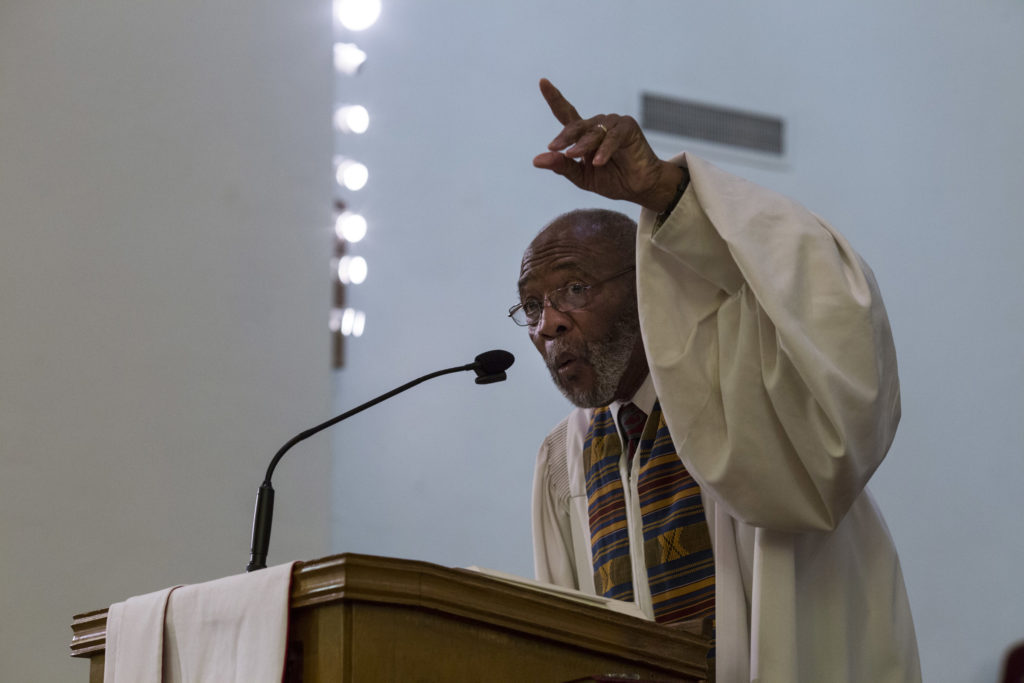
[609, 155]
[770, 350]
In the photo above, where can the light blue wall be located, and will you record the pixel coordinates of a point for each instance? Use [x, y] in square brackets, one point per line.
[164, 235]
[903, 125]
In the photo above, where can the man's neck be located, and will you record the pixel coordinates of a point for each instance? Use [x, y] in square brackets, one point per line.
[643, 398]
[634, 375]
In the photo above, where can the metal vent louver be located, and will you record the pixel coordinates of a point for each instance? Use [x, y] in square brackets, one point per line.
[720, 125]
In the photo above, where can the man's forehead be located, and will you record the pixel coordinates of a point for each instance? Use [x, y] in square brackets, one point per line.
[568, 268]
[567, 256]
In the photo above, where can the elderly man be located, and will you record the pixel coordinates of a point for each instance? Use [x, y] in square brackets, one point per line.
[735, 382]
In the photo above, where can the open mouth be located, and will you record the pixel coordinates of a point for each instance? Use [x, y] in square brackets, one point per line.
[564, 362]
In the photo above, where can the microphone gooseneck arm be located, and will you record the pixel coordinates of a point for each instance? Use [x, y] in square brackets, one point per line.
[490, 367]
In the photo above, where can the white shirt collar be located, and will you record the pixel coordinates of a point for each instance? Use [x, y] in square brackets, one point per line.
[643, 399]
[645, 396]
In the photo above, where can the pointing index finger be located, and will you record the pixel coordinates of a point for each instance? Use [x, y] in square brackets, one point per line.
[560, 107]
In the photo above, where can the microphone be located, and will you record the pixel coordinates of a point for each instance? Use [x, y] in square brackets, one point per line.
[490, 367]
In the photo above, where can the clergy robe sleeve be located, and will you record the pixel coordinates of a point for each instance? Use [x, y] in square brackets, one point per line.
[770, 351]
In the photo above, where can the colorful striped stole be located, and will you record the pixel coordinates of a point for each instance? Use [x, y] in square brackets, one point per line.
[676, 540]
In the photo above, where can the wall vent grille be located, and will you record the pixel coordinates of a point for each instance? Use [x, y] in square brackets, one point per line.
[709, 123]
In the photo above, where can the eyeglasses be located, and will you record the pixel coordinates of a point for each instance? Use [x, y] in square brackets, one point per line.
[572, 297]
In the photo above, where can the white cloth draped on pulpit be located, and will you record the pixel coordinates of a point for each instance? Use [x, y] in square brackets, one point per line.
[233, 629]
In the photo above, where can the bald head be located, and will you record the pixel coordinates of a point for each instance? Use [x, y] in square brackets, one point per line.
[608, 238]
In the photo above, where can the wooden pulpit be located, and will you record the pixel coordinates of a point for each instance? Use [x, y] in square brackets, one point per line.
[364, 619]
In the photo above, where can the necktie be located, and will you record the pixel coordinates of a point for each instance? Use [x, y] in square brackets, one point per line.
[631, 421]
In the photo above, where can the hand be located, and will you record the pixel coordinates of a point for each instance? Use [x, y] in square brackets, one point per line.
[607, 154]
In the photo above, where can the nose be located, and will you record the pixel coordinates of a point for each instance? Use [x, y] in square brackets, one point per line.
[552, 322]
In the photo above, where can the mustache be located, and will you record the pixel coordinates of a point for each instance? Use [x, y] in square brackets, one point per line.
[559, 348]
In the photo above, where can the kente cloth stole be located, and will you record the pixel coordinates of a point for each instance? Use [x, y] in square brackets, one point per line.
[676, 540]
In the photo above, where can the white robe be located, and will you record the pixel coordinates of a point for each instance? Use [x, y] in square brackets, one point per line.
[770, 351]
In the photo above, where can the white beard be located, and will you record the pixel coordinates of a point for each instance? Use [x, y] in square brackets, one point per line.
[609, 357]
